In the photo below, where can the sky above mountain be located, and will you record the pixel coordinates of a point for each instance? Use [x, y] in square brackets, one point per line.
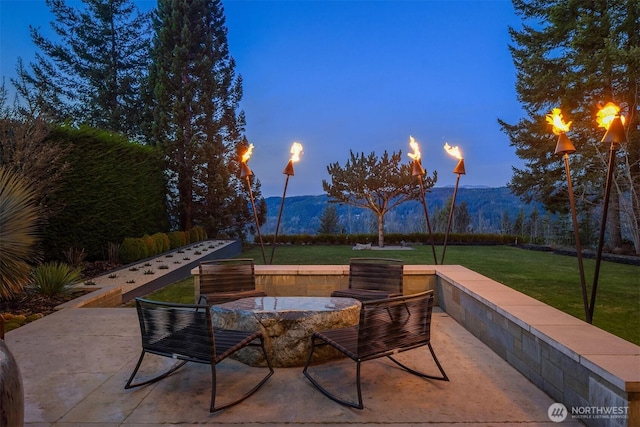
[337, 76]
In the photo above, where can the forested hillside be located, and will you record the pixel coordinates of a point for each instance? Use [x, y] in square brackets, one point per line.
[490, 210]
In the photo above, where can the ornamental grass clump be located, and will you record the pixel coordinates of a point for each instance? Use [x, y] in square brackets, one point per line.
[54, 278]
[18, 232]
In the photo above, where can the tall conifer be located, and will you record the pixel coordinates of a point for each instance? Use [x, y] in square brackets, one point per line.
[576, 55]
[94, 72]
[195, 116]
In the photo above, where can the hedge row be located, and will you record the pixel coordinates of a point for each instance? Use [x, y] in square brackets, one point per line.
[134, 249]
[113, 189]
[397, 239]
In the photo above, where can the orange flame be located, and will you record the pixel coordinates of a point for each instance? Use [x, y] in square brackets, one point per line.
[296, 151]
[607, 114]
[416, 149]
[247, 154]
[453, 151]
[555, 119]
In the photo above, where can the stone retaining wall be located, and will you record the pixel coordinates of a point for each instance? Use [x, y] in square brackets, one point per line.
[321, 280]
[595, 374]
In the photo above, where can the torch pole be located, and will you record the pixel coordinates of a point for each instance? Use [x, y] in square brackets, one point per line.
[426, 215]
[576, 232]
[255, 217]
[603, 224]
[453, 205]
[288, 170]
[275, 235]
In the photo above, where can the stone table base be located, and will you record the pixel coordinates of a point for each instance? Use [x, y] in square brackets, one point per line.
[287, 324]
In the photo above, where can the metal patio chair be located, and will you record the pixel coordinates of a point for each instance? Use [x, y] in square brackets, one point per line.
[373, 278]
[225, 280]
[386, 327]
[184, 332]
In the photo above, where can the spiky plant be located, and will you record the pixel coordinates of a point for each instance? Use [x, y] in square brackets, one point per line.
[18, 232]
[54, 278]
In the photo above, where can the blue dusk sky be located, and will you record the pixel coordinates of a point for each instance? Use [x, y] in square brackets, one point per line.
[337, 76]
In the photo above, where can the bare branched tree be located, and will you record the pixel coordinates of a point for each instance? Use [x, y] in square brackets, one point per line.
[24, 128]
[377, 184]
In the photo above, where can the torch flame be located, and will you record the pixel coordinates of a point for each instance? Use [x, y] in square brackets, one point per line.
[453, 151]
[415, 147]
[247, 154]
[555, 119]
[607, 114]
[296, 151]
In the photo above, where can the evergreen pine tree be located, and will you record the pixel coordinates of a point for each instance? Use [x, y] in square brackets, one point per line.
[95, 73]
[330, 221]
[461, 218]
[195, 116]
[575, 55]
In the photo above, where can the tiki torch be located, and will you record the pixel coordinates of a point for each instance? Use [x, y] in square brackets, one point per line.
[418, 171]
[609, 118]
[296, 151]
[459, 170]
[245, 172]
[565, 147]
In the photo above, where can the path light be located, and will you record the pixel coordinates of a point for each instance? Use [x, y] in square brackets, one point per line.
[565, 147]
[245, 172]
[459, 170]
[418, 171]
[296, 151]
[609, 118]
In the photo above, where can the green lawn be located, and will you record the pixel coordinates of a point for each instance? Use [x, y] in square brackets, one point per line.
[550, 278]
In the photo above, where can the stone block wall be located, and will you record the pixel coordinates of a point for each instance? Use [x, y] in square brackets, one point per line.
[321, 280]
[596, 375]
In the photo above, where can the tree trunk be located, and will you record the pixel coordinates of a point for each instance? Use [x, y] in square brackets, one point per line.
[635, 220]
[381, 231]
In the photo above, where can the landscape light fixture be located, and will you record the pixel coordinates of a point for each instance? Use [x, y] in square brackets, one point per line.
[459, 170]
[418, 171]
[245, 172]
[609, 118]
[565, 147]
[296, 151]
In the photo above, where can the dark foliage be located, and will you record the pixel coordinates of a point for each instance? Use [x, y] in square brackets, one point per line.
[114, 189]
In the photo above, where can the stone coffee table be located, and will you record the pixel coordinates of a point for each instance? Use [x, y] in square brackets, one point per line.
[287, 324]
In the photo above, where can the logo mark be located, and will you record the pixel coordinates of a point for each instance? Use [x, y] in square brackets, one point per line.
[557, 412]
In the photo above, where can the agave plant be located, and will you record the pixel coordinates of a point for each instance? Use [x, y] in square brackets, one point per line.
[54, 278]
[18, 232]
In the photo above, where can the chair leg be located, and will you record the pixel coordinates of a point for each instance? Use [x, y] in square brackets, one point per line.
[444, 376]
[214, 408]
[154, 379]
[358, 387]
[326, 392]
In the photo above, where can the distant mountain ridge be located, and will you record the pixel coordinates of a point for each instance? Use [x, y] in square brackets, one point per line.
[486, 206]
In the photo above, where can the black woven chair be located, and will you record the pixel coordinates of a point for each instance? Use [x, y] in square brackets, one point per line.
[386, 327]
[373, 278]
[225, 280]
[185, 332]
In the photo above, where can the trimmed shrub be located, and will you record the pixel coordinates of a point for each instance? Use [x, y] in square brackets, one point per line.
[150, 245]
[175, 239]
[202, 233]
[194, 235]
[397, 239]
[132, 250]
[162, 242]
